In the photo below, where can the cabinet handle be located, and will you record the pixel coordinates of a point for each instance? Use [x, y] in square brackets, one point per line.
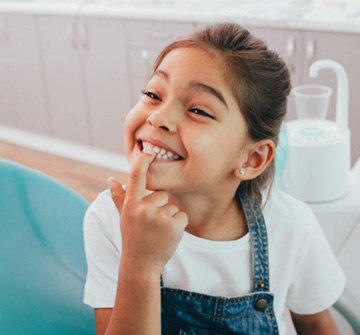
[83, 36]
[290, 50]
[71, 32]
[146, 59]
[310, 52]
[160, 35]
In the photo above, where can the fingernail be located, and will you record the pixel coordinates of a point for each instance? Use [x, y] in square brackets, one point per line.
[110, 180]
[124, 186]
[148, 148]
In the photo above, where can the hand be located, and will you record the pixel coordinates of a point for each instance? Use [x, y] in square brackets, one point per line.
[151, 227]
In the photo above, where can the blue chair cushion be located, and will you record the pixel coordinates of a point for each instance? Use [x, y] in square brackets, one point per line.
[42, 259]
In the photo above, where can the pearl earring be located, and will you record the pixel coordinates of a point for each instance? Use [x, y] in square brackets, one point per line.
[242, 170]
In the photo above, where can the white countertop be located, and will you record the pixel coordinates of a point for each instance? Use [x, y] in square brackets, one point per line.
[302, 15]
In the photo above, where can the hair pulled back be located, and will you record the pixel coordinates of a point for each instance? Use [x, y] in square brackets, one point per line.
[258, 78]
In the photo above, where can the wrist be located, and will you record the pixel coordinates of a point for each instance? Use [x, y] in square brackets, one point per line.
[139, 272]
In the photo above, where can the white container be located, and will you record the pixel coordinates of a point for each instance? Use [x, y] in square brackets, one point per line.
[318, 163]
[312, 101]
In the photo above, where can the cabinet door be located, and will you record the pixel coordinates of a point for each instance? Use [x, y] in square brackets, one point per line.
[22, 58]
[64, 77]
[145, 39]
[7, 115]
[288, 43]
[104, 56]
[344, 49]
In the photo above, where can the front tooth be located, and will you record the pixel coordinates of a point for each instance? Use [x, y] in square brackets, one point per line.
[148, 148]
[160, 153]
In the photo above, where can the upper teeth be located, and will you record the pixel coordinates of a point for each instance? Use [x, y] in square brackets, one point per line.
[159, 152]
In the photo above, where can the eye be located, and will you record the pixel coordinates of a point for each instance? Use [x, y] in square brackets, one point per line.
[151, 95]
[200, 112]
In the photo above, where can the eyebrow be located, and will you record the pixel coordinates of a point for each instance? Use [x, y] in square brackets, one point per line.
[161, 73]
[197, 85]
[209, 89]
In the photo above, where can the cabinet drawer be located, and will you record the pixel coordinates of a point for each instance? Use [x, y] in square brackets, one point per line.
[142, 61]
[155, 34]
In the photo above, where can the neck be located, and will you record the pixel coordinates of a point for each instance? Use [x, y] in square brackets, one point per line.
[216, 216]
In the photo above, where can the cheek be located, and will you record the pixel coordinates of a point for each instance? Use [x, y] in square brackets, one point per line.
[209, 145]
[219, 150]
[133, 121]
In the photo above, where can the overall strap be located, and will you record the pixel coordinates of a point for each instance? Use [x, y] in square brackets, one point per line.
[259, 242]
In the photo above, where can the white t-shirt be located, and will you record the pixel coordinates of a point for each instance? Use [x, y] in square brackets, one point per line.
[304, 274]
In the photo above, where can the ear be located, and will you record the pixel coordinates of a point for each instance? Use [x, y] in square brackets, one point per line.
[259, 156]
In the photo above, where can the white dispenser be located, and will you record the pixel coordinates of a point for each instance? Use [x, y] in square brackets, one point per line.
[318, 163]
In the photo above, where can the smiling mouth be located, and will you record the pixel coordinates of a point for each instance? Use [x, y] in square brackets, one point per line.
[159, 152]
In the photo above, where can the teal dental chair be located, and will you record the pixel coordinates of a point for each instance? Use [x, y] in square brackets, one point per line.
[42, 262]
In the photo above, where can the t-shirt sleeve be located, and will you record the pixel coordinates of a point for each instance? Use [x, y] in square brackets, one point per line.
[318, 280]
[102, 252]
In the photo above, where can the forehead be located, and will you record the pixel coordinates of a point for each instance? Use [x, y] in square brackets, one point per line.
[199, 63]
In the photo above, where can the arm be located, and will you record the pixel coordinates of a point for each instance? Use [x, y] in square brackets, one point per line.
[315, 324]
[137, 306]
[151, 229]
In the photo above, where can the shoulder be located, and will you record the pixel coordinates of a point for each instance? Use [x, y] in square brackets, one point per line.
[101, 215]
[298, 251]
[291, 226]
[102, 203]
[291, 216]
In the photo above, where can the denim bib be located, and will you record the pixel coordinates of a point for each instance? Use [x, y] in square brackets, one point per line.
[190, 313]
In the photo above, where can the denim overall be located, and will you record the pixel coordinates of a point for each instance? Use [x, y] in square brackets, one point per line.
[190, 313]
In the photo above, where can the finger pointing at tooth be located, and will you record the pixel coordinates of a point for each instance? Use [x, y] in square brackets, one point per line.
[151, 226]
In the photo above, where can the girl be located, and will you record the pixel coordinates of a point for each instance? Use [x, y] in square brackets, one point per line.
[205, 252]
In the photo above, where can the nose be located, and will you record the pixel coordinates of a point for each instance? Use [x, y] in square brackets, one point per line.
[164, 119]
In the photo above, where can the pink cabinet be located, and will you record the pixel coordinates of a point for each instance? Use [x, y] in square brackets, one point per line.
[86, 77]
[22, 90]
[63, 76]
[106, 81]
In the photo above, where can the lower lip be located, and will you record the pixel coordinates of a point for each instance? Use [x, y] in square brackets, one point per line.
[159, 160]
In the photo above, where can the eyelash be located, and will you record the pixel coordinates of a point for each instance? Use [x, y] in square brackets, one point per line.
[196, 111]
[151, 95]
[200, 112]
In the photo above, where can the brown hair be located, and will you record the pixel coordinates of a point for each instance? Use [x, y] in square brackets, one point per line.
[258, 77]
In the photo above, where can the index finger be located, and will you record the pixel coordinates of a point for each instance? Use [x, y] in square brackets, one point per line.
[137, 181]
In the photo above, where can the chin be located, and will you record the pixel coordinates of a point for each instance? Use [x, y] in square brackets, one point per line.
[154, 186]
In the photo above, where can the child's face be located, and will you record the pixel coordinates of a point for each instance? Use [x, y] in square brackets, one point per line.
[189, 111]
